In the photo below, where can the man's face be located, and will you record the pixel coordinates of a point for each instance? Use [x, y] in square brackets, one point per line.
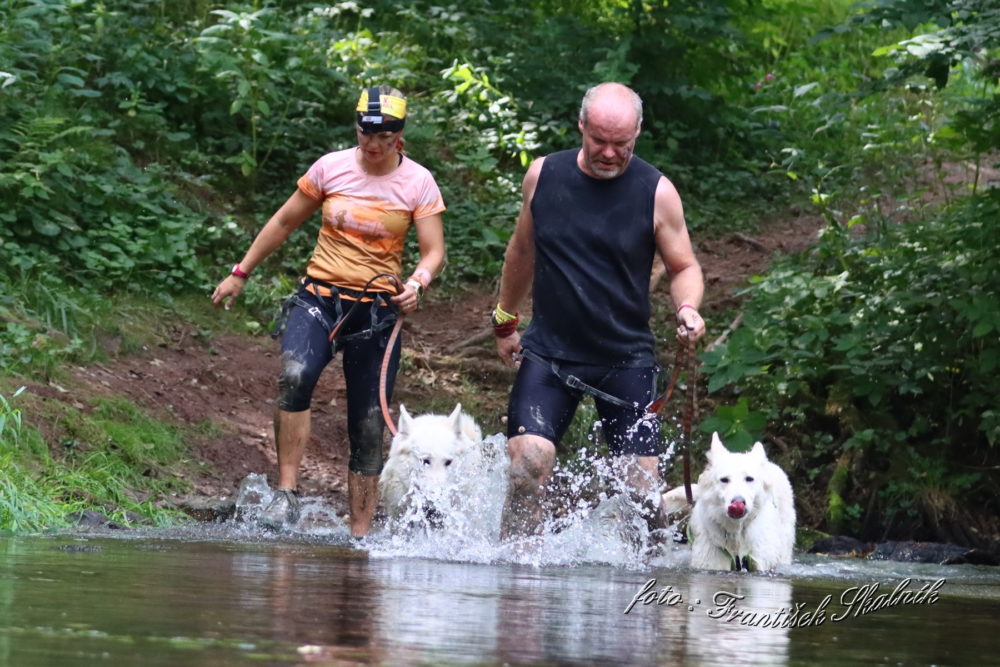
[608, 143]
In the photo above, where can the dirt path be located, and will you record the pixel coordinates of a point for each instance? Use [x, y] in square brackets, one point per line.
[448, 356]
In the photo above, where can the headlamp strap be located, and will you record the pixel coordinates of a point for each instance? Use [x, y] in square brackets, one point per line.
[372, 112]
[374, 102]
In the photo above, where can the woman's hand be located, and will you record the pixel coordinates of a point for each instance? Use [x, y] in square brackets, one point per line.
[227, 291]
[407, 300]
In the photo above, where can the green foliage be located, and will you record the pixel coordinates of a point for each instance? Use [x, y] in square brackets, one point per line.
[115, 460]
[10, 420]
[889, 345]
[954, 37]
[737, 425]
[76, 203]
[144, 143]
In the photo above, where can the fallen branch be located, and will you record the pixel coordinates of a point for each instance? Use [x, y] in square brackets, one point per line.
[725, 334]
[750, 241]
[474, 339]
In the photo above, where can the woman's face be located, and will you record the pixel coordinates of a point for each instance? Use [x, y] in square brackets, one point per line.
[378, 146]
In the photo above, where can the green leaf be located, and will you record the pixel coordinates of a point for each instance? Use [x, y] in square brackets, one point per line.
[799, 91]
[982, 328]
[45, 226]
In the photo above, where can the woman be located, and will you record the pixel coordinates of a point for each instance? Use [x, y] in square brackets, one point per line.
[370, 194]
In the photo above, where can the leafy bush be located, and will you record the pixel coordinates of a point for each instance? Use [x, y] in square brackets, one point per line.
[890, 348]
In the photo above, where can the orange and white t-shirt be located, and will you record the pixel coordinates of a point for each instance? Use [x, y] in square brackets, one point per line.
[365, 217]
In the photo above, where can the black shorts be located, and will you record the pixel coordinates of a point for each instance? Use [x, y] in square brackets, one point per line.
[542, 404]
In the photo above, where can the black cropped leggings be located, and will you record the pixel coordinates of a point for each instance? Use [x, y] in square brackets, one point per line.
[362, 340]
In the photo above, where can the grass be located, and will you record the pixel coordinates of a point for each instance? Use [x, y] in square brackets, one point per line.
[108, 456]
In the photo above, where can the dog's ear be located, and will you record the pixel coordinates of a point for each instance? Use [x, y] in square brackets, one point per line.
[405, 421]
[455, 418]
[758, 452]
[717, 449]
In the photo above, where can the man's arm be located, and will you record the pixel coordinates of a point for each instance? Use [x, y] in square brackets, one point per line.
[687, 286]
[519, 263]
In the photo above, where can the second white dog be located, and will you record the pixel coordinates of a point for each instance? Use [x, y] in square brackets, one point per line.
[428, 457]
[744, 512]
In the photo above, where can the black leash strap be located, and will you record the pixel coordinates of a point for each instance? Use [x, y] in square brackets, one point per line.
[574, 382]
[690, 412]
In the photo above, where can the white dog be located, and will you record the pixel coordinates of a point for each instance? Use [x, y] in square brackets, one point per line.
[744, 514]
[428, 457]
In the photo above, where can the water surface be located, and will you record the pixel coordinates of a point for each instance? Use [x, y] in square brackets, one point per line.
[592, 590]
[212, 597]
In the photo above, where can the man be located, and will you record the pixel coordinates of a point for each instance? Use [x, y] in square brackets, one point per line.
[591, 222]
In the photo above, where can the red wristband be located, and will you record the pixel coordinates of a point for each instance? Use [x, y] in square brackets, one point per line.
[239, 273]
[683, 306]
[507, 328]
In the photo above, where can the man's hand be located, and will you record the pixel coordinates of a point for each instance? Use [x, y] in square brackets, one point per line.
[690, 325]
[509, 349]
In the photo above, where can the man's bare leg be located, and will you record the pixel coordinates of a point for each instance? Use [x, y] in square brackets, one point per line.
[362, 499]
[532, 459]
[643, 476]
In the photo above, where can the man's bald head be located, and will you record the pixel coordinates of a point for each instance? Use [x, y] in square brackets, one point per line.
[610, 118]
[611, 98]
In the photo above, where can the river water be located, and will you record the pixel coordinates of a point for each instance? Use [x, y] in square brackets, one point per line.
[584, 594]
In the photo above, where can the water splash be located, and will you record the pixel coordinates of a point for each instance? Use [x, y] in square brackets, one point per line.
[592, 517]
[317, 518]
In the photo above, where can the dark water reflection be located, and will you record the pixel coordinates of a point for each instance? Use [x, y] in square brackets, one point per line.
[71, 600]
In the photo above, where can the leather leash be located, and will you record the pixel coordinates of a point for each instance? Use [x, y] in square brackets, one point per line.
[384, 374]
[685, 357]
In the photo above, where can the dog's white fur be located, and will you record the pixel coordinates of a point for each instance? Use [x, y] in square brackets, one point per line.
[735, 482]
[427, 456]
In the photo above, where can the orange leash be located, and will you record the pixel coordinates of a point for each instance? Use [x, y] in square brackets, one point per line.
[384, 374]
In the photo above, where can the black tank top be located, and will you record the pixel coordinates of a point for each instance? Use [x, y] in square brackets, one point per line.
[594, 249]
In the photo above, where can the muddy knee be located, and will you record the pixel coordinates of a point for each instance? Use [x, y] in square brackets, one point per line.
[531, 463]
[295, 384]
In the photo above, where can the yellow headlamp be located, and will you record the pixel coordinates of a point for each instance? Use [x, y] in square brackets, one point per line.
[373, 108]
